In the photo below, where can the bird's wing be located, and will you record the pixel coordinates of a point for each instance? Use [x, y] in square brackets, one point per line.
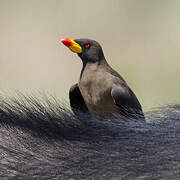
[76, 101]
[127, 102]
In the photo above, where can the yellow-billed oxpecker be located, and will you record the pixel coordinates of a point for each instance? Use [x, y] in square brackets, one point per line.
[101, 91]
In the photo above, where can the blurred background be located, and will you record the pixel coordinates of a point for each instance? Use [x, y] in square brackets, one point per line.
[140, 39]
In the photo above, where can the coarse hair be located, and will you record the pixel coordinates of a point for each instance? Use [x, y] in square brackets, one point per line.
[40, 138]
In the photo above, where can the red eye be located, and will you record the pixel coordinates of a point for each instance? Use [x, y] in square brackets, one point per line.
[87, 45]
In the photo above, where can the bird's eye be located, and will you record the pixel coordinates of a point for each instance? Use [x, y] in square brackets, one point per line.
[87, 45]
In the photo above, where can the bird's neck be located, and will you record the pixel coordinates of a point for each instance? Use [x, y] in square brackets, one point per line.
[95, 65]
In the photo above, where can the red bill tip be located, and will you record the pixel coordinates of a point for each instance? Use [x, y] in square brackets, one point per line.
[67, 42]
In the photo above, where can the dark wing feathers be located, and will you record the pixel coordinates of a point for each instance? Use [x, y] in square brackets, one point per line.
[127, 102]
[76, 101]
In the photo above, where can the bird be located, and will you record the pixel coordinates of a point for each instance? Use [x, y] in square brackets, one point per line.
[101, 91]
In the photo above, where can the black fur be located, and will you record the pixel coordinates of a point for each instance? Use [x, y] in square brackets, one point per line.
[41, 139]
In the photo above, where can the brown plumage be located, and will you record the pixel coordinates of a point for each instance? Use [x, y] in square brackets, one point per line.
[101, 91]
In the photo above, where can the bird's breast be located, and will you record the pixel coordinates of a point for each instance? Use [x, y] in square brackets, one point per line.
[96, 90]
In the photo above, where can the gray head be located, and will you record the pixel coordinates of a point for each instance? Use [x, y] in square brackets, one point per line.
[88, 50]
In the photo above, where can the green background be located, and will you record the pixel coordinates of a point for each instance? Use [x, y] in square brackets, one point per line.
[140, 39]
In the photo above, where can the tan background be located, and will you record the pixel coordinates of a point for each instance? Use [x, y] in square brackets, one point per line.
[140, 38]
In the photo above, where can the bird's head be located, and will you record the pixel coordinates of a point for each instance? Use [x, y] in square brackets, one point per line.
[88, 50]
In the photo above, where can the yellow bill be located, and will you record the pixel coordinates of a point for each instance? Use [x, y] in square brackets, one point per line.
[72, 45]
